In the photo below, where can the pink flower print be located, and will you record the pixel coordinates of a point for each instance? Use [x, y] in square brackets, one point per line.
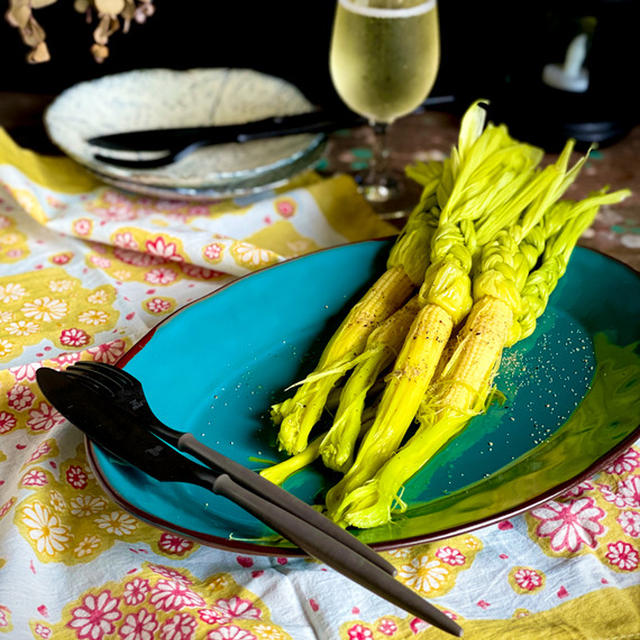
[625, 463]
[138, 626]
[163, 249]
[213, 251]
[238, 608]
[135, 258]
[115, 197]
[160, 275]
[108, 352]
[169, 573]
[100, 261]
[202, 273]
[74, 337]
[116, 212]
[4, 617]
[98, 247]
[570, 525]
[20, 397]
[182, 626]
[41, 450]
[630, 523]
[170, 543]
[34, 478]
[629, 491]
[623, 555]
[611, 496]
[125, 240]
[417, 625]
[158, 305]
[82, 226]
[527, 579]
[387, 627]
[450, 555]
[67, 358]
[214, 616]
[44, 418]
[359, 632]
[25, 372]
[162, 205]
[286, 207]
[578, 490]
[197, 211]
[230, 632]
[135, 591]
[61, 258]
[4, 509]
[95, 617]
[7, 422]
[77, 477]
[42, 631]
[4, 222]
[169, 594]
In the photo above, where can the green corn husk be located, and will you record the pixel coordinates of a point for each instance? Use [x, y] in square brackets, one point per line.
[476, 168]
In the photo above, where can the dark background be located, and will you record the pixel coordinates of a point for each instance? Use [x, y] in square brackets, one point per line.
[493, 49]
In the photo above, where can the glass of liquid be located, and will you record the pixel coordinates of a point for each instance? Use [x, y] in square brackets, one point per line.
[384, 60]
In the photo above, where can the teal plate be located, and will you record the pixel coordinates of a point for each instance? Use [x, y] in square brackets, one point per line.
[214, 368]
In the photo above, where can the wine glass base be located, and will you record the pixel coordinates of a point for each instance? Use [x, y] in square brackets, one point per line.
[376, 192]
[386, 198]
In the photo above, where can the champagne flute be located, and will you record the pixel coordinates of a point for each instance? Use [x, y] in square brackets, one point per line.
[384, 60]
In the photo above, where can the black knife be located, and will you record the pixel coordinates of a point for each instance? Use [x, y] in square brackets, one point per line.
[114, 430]
[277, 126]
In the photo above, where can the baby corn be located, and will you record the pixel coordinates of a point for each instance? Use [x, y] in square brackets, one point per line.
[466, 380]
[406, 265]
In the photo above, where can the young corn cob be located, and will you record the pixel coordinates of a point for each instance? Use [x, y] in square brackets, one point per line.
[466, 381]
[279, 472]
[493, 159]
[405, 270]
[382, 348]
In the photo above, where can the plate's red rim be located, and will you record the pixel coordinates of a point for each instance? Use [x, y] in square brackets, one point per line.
[253, 548]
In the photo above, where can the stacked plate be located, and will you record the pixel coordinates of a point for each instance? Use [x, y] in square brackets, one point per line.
[163, 98]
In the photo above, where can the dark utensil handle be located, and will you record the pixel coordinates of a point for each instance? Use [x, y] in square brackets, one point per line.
[326, 549]
[175, 139]
[272, 492]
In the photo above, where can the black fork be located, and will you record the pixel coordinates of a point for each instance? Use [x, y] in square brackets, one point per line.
[126, 391]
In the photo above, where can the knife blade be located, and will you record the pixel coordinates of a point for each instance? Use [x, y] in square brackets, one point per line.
[162, 139]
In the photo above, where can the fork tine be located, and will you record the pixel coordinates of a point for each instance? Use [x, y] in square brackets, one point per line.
[111, 373]
[88, 381]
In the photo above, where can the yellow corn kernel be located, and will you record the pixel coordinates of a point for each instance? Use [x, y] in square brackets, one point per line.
[299, 414]
[467, 376]
[386, 295]
[405, 389]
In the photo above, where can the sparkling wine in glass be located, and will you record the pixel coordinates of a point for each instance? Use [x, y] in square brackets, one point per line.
[384, 60]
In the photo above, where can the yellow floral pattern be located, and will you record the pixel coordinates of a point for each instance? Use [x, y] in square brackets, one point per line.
[85, 272]
[53, 305]
[66, 518]
[158, 601]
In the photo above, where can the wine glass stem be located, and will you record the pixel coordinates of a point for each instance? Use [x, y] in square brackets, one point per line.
[380, 150]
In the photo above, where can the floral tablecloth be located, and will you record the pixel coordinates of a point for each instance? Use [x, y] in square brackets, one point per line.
[85, 271]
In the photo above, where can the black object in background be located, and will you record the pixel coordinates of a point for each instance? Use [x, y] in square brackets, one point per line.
[495, 49]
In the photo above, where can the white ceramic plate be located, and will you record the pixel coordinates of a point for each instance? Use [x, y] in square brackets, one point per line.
[163, 98]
